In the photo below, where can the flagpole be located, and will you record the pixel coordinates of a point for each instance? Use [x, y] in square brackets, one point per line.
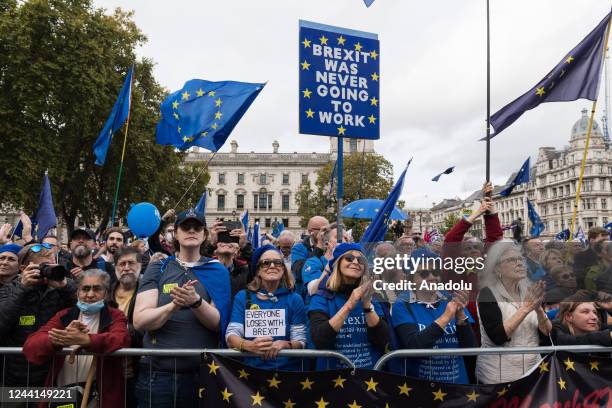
[340, 188]
[205, 167]
[488, 155]
[127, 125]
[586, 146]
[525, 211]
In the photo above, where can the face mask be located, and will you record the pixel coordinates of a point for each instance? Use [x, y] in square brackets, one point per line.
[169, 237]
[90, 308]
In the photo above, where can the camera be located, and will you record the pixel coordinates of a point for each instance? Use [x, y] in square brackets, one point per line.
[225, 235]
[53, 272]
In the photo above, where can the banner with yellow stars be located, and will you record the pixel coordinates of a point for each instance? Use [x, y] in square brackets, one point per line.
[576, 76]
[560, 380]
[339, 72]
[204, 113]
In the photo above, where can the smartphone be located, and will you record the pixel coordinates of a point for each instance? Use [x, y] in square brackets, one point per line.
[229, 226]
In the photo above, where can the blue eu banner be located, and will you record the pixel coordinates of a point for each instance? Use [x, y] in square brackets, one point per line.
[339, 82]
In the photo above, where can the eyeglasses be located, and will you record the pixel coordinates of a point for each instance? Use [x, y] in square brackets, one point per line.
[514, 260]
[426, 272]
[123, 264]
[186, 227]
[361, 260]
[267, 263]
[95, 288]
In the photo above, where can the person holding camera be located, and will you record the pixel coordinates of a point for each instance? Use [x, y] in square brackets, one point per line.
[42, 289]
[227, 238]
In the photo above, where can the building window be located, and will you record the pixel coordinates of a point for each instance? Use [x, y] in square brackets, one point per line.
[221, 202]
[240, 202]
[604, 203]
[285, 202]
[268, 222]
[269, 201]
[353, 145]
[263, 179]
[255, 200]
[240, 178]
[257, 220]
[263, 201]
[285, 178]
[221, 179]
[286, 222]
[304, 178]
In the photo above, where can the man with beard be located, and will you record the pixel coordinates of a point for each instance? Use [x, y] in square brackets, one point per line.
[123, 293]
[114, 240]
[82, 245]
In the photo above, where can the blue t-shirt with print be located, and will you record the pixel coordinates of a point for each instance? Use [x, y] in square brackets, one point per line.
[449, 369]
[295, 314]
[352, 340]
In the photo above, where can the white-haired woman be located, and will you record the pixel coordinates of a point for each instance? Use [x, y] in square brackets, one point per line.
[511, 314]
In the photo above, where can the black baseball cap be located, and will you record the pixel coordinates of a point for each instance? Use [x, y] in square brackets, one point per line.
[85, 231]
[190, 214]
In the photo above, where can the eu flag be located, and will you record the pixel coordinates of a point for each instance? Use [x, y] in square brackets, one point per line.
[244, 218]
[45, 215]
[255, 237]
[204, 113]
[201, 205]
[447, 171]
[537, 226]
[575, 77]
[378, 227]
[117, 118]
[563, 235]
[521, 177]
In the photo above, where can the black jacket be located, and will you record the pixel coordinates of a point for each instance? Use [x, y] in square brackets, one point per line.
[22, 312]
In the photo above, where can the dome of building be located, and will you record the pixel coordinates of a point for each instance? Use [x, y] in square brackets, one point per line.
[581, 127]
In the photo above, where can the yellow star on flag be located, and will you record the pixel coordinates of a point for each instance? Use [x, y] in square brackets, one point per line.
[310, 113]
[569, 364]
[502, 392]
[373, 54]
[185, 95]
[226, 394]
[373, 101]
[218, 102]
[374, 77]
[341, 40]
[341, 130]
[211, 93]
[218, 115]
[404, 389]
[213, 368]
[305, 65]
[358, 47]
[594, 365]
[179, 129]
[214, 126]
[439, 395]
[472, 396]
[372, 119]
[561, 384]
[307, 384]
[321, 403]
[176, 116]
[306, 43]
[175, 105]
[204, 134]
[307, 93]
[540, 91]
[562, 73]
[243, 373]
[544, 367]
[274, 382]
[354, 405]
[371, 384]
[569, 59]
[323, 40]
[185, 139]
[200, 392]
[339, 382]
[200, 92]
[289, 403]
[257, 399]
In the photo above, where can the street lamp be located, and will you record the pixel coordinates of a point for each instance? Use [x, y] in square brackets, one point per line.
[420, 213]
[234, 214]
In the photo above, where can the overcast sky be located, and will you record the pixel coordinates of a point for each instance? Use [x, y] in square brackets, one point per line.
[433, 74]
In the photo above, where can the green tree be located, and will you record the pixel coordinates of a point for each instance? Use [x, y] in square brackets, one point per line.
[449, 222]
[367, 175]
[62, 64]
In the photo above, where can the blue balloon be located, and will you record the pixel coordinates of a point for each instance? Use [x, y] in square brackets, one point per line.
[143, 219]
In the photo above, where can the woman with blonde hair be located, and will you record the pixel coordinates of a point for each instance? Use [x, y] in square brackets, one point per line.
[270, 290]
[343, 316]
[583, 319]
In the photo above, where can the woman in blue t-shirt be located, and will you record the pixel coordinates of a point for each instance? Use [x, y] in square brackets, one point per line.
[343, 317]
[268, 316]
[427, 318]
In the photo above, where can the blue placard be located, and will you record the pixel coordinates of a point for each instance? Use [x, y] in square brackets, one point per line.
[339, 82]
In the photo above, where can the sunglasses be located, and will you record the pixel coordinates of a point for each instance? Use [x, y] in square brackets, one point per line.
[266, 263]
[39, 247]
[95, 288]
[189, 226]
[361, 260]
[426, 272]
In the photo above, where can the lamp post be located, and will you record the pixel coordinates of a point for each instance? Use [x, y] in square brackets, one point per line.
[420, 213]
[234, 214]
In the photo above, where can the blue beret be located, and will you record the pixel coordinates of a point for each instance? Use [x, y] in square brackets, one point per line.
[14, 248]
[342, 249]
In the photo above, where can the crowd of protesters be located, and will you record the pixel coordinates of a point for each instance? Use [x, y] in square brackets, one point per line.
[190, 286]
